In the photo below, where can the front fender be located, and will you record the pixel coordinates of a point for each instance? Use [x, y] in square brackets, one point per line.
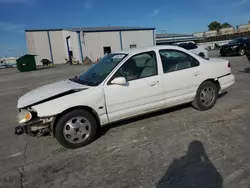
[92, 97]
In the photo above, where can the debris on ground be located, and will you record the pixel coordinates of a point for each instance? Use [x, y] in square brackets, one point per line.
[87, 61]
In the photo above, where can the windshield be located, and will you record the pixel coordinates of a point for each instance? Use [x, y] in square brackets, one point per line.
[99, 71]
[236, 41]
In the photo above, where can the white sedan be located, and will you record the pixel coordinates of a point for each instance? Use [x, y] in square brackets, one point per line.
[122, 85]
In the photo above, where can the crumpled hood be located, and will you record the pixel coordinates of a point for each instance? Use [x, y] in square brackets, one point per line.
[48, 91]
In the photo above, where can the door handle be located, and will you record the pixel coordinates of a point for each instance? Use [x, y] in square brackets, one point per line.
[154, 83]
[196, 74]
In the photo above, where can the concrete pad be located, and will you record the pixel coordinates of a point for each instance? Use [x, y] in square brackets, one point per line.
[135, 153]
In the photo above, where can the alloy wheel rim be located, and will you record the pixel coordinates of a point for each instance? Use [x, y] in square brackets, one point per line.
[76, 130]
[242, 52]
[207, 96]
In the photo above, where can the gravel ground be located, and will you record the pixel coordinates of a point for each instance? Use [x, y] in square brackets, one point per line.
[172, 148]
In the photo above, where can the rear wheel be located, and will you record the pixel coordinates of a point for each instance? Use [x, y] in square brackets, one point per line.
[242, 52]
[202, 54]
[76, 129]
[206, 96]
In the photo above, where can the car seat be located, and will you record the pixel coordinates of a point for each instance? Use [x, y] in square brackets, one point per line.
[150, 68]
[130, 70]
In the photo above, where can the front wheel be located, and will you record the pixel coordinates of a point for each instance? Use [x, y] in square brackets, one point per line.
[206, 96]
[76, 129]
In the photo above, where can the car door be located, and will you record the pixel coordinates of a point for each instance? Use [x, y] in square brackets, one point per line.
[181, 76]
[143, 91]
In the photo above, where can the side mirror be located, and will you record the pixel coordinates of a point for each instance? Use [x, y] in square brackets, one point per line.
[119, 81]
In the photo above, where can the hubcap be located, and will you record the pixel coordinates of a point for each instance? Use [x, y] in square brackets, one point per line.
[242, 52]
[76, 130]
[207, 96]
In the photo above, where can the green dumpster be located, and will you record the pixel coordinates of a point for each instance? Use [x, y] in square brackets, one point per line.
[26, 63]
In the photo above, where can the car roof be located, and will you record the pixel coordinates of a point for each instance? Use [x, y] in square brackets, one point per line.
[242, 38]
[185, 42]
[151, 48]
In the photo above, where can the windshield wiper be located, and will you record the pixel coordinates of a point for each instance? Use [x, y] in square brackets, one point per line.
[85, 82]
[75, 79]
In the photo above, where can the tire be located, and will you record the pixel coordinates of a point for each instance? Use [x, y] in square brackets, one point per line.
[222, 54]
[76, 129]
[241, 52]
[202, 54]
[248, 56]
[203, 102]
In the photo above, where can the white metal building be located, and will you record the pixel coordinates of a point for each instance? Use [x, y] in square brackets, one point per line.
[58, 44]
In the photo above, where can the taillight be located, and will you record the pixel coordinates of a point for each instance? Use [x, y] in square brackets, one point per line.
[229, 65]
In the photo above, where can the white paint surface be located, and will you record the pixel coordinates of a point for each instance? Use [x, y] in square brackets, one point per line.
[93, 43]
[138, 38]
[58, 46]
[38, 44]
[74, 44]
[136, 97]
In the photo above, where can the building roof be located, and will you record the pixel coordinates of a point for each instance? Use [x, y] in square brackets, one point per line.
[34, 30]
[171, 35]
[109, 28]
[96, 29]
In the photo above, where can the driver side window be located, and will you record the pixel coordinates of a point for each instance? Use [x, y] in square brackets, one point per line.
[139, 66]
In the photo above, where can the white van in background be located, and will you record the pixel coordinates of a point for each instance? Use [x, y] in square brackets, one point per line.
[193, 47]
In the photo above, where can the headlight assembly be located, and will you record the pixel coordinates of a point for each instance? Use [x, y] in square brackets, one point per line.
[24, 116]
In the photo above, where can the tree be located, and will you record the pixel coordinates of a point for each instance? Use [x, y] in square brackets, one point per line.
[217, 25]
[226, 25]
[214, 26]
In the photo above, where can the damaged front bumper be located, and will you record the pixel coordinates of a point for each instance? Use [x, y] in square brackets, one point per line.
[26, 127]
[37, 127]
[19, 130]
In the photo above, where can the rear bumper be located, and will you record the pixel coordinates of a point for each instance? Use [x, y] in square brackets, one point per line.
[226, 82]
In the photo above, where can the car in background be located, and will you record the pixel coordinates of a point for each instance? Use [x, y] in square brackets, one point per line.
[122, 85]
[248, 53]
[193, 47]
[235, 47]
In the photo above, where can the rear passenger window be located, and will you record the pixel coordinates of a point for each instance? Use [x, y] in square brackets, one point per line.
[174, 60]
